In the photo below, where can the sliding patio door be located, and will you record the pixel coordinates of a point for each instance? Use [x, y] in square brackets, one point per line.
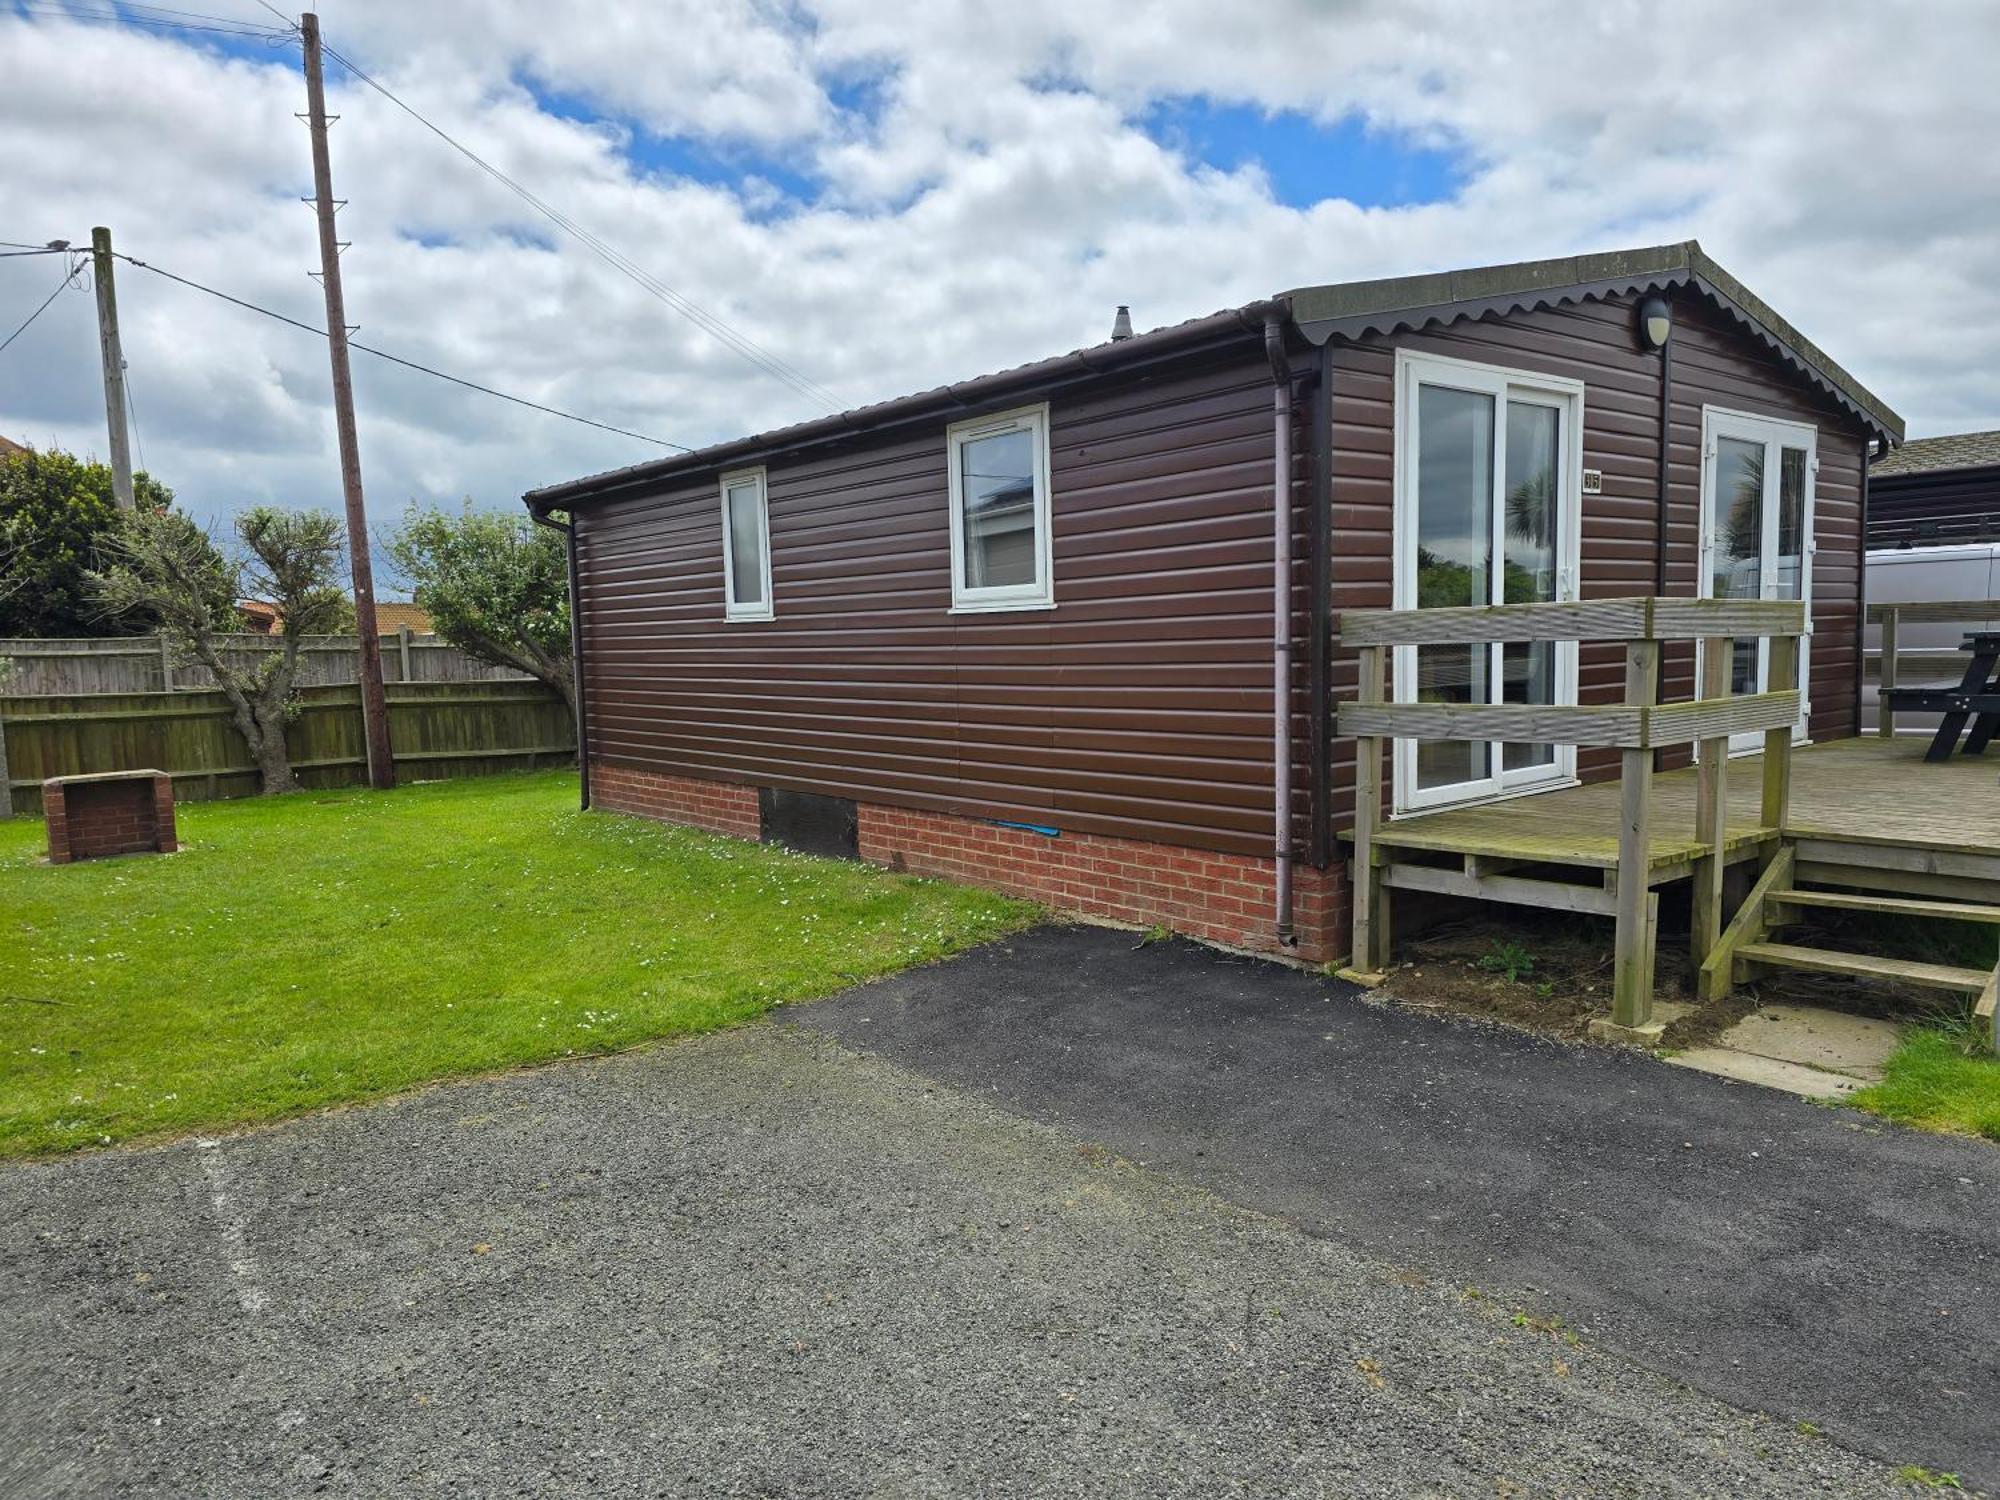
[1756, 533]
[1488, 466]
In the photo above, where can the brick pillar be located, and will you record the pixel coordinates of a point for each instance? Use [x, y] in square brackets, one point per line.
[55, 814]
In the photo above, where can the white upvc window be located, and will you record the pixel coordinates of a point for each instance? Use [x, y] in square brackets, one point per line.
[1488, 484]
[746, 547]
[1758, 476]
[1000, 549]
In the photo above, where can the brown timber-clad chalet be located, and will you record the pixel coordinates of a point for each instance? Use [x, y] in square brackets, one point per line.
[1932, 492]
[1024, 631]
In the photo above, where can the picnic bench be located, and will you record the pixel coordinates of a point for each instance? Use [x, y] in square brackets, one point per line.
[1975, 699]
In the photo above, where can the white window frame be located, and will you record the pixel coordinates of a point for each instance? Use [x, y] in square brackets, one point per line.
[1413, 370]
[1781, 433]
[766, 608]
[1041, 594]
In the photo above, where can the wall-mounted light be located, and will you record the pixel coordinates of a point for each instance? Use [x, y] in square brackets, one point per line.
[1656, 322]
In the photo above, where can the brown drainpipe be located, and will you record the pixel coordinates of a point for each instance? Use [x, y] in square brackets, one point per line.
[1281, 619]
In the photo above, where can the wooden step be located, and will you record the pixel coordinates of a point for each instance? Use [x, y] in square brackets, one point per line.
[1891, 906]
[1864, 965]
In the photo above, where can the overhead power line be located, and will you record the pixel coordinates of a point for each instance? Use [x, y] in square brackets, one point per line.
[408, 364]
[69, 275]
[708, 322]
[151, 15]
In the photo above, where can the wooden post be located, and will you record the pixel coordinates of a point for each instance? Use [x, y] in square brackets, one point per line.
[111, 353]
[1885, 718]
[6, 787]
[1369, 896]
[166, 665]
[1711, 806]
[374, 705]
[403, 648]
[1778, 742]
[1632, 988]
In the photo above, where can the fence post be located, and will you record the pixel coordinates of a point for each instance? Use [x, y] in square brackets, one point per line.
[1711, 806]
[1632, 991]
[6, 786]
[1370, 898]
[1778, 742]
[403, 648]
[166, 665]
[1885, 717]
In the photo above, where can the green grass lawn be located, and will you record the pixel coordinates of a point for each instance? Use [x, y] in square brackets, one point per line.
[321, 947]
[1940, 1078]
[1944, 1075]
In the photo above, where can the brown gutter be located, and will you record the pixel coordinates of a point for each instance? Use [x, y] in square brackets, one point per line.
[1664, 501]
[1319, 699]
[1281, 619]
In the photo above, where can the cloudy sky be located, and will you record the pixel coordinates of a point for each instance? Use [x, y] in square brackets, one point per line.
[884, 196]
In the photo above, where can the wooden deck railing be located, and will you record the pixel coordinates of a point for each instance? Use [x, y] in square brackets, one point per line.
[1635, 727]
[1892, 616]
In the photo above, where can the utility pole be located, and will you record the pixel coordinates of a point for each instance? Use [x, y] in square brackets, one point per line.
[113, 356]
[374, 704]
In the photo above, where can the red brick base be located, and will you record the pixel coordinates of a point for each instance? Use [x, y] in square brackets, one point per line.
[1218, 898]
[92, 817]
[718, 806]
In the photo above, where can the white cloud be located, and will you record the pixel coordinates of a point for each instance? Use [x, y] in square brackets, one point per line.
[990, 207]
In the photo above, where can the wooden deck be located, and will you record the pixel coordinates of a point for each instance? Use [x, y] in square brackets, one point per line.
[1867, 791]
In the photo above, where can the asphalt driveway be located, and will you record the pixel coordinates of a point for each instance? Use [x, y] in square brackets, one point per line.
[769, 1263]
[761, 1264]
[1783, 1256]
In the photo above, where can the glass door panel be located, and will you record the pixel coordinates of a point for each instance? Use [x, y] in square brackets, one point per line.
[1486, 515]
[1736, 560]
[1531, 533]
[1454, 540]
[1757, 507]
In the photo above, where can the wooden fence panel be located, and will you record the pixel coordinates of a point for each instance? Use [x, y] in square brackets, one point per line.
[438, 730]
[140, 664]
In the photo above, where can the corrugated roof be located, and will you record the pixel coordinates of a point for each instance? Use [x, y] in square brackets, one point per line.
[1340, 310]
[1961, 450]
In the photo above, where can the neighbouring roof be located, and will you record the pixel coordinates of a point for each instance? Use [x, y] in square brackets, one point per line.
[1342, 310]
[259, 614]
[1961, 450]
[8, 445]
[392, 615]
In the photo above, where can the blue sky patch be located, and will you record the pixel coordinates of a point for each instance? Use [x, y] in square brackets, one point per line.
[717, 163]
[1306, 161]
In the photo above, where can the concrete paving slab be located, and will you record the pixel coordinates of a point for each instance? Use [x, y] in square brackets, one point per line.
[1770, 1072]
[1814, 1053]
[1856, 1045]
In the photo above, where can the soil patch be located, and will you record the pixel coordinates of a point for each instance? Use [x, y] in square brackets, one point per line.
[1550, 973]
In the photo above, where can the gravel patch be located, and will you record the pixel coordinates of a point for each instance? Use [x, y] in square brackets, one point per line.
[760, 1264]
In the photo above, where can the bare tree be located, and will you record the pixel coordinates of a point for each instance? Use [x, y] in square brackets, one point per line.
[165, 564]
